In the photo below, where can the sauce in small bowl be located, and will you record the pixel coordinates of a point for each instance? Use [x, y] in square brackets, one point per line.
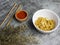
[21, 15]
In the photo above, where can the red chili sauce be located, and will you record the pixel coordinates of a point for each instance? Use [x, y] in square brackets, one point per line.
[21, 14]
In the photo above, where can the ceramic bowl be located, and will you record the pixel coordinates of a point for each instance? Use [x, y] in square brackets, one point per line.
[19, 19]
[46, 13]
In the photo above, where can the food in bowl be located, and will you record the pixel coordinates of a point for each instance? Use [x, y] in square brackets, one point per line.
[45, 24]
[21, 15]
[49, 15]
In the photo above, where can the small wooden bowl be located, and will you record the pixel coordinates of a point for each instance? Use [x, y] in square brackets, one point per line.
[21, 19]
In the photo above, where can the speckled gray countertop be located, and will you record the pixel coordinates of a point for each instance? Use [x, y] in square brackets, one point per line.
[31, 6]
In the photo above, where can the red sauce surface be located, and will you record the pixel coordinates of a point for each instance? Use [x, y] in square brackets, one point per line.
[21, 14]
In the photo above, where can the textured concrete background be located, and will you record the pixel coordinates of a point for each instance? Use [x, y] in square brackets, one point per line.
[31, 6]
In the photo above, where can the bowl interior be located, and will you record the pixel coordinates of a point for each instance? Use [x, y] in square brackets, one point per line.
[46, 14]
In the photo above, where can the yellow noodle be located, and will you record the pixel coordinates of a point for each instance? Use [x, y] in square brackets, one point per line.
[44, 24]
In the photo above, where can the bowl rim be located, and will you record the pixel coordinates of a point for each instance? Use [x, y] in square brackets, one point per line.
[50, 30]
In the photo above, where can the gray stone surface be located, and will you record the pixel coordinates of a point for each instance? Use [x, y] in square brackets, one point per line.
[31, 6]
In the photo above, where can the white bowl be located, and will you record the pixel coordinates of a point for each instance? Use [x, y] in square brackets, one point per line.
[46, 13]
